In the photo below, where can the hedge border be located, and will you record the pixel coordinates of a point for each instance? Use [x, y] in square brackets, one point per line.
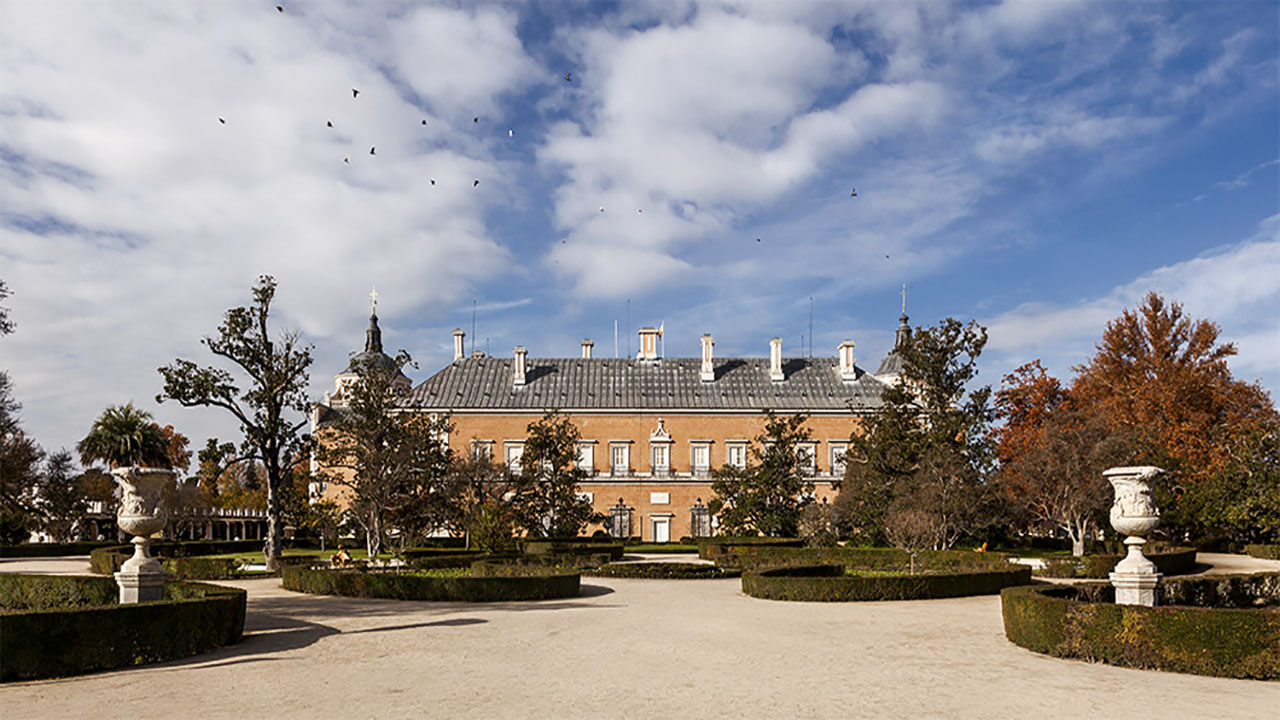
[55, 642]
[829, 583]
[1222, 642]
[663, 571]
[712, 548]
[1263, 552]
[867, 558]
[519, 583]
[22, 550]
[571, 546]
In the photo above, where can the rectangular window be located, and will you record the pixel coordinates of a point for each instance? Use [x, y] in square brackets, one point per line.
[586, 458]
[837, 458]
[514, 453]
[738, 455]
[619, 459]
[701, 459]
[807, 455]
[483, 449]
[661, 458]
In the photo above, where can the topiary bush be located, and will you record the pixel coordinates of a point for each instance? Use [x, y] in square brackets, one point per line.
[483, 585]
[663, 571]
[57, 625]
[1263, 552]
[712, 548]
[1241, 639]
[831, 583]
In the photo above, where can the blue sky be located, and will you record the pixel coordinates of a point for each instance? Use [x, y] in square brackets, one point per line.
[1037, 166]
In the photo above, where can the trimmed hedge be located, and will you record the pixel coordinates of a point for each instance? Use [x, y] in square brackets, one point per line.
[1168, 560]
[829, 583]
[107, 560]
[571, 546]
[755, 558]
[52, 549]
[662, 548]
[485, 585]
[1263, 552]
[72, 625]
[663, 571]
[414, 553]
[712, 548]
[1240, 640]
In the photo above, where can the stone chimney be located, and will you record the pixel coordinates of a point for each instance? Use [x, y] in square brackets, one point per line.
[586, 348]
[775, 360]
[708, 373]
[648, 343]
[519, 366]
[458, 337]
[848, 371]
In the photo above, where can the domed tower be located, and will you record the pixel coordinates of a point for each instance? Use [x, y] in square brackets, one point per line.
[890, 370]
[371, 356]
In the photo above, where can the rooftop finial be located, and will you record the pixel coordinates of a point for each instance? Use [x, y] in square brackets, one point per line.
[374, 294]
[904, 298]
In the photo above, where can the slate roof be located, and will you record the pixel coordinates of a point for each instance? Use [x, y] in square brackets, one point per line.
[626, 384]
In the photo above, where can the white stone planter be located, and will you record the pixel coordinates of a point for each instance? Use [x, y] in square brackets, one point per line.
[1134, 514]
[142, 513]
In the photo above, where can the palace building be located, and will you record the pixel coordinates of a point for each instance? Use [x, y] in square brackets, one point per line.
[652, 427]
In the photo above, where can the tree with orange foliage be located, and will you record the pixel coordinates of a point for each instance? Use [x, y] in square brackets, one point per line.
[1162, 377]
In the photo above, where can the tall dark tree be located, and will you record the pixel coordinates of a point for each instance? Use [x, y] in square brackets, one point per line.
[390, 457]
[62, 501]
[546, 500]
[6, 325]
[19, 455]
[930, 442]
[769, 494]
[272, 409]
[475, 486]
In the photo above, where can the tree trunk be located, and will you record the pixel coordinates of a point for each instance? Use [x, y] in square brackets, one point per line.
[1077, 532]
[274, 547]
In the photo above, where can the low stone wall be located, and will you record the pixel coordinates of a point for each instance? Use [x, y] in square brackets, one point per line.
[1241, 639]
[830, 583]
[60, 625]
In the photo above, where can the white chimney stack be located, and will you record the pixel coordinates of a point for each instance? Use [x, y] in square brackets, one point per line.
[708, 373]
[458, 344]
[775, 360]
[518, 375]
[848, 371]
[648, 343]
[586, 348]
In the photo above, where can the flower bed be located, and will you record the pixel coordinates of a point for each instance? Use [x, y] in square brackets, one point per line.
[831, 583]
[1226, 625]
[663, 571]
[487, 582]
[60, 625]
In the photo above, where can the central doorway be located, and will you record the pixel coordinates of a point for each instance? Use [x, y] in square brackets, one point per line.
[661, 529]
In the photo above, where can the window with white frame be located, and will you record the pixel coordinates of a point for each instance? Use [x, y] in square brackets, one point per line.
[701, 458]
[737, 455]
[806, 453]
[619, 459]
[586, 458]
[838, 451]
[439, 433]
[483, 449]
[514, 452]
[661, 457]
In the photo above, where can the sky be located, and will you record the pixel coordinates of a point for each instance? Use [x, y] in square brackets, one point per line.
[556, 168]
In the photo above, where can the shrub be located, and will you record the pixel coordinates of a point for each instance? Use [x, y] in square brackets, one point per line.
[663, 548]
[51, 549]
[663, 571]
[202, 568]
[712, 548]
[514, 584]
[1264, 552]
[71, 625]
[1061, 567]
[1082, 622]
[757, 557]
[830, 583]
[1168, 560]
[571, 546]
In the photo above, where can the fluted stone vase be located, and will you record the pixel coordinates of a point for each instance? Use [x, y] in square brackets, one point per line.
[142, 513]
[1134, 514]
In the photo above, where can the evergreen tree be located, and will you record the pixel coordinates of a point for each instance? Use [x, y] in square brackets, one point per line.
[768, 495]
[546, 500]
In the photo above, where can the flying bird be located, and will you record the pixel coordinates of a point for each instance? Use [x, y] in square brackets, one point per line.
[568, 77]
[279, 8]
[329, 123]
[355, 92]
[433, 181]
[475, 119]
[854, 193]
[347, 160]
[639, 211]
[511, 133]
[424, 121]
[221, 120]
[371, 150]
[601, 208]
[477, 182]
[757, 239]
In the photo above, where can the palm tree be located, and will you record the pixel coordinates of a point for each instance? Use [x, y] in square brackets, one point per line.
[125, 436]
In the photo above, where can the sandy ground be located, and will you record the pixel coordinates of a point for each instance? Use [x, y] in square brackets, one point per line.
[629, 649]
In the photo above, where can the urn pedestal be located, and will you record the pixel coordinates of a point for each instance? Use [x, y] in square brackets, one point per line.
[1134, 514]
[142, 513]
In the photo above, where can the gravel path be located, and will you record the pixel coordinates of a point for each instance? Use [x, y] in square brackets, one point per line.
[627, 649]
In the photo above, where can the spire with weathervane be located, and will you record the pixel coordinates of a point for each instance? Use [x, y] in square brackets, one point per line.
[890, 370]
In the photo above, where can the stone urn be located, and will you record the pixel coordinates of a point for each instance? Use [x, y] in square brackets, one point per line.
[1134, 515]
[142, 513]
